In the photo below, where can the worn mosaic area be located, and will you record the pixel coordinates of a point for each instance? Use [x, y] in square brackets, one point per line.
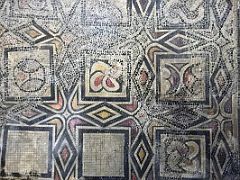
[119, 89]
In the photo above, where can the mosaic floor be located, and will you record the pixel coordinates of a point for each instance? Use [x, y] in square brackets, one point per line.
[119, 89]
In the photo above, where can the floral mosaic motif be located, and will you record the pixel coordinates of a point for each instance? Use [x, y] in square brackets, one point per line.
[183, 13]
[106, 77]
[182, 155]
[184, 77]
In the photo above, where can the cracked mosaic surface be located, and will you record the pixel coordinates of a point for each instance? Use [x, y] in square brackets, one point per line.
[119, 89]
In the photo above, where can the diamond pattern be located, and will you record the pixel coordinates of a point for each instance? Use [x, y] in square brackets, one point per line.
[32, 33]
[183, 118]
[181, 41]
[29, 114]
[221, 80]
[65, 154]
[141, 154]
[68, 73]
[104, 114]
[221, 40]
[143, 78]
[221, 154]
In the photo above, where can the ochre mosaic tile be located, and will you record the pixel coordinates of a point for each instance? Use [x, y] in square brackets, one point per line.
[119, 89]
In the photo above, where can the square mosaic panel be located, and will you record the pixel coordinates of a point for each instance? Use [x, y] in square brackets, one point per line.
[97, 160]
[189, 71]
[23, 151]
[189, 150]
[30, 73]
[107, 76]
[119, 89]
